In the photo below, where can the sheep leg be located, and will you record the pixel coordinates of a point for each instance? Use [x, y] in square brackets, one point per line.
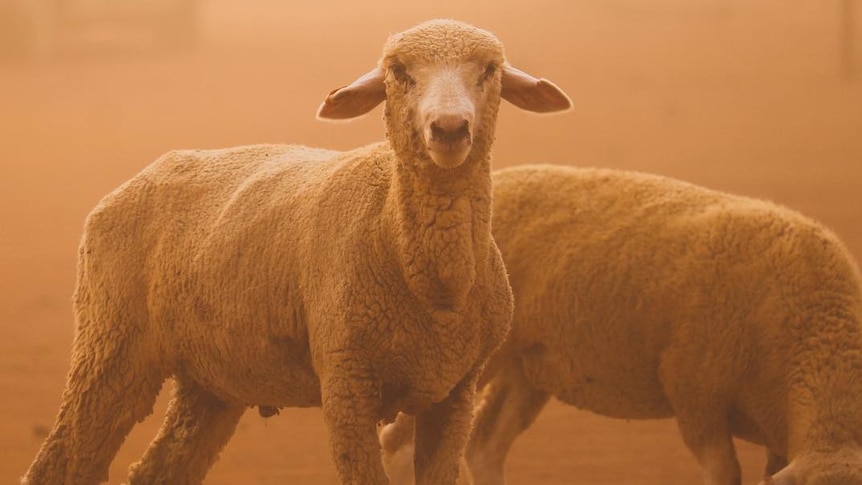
[509, 405]
[197, 425]
[713, 448]
[351, 409]
[701, 418]
[397, 442]
[110, 387]
[706, 433]
[774, 463]
[441, 435]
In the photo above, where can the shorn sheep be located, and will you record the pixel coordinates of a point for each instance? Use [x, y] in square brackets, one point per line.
[638, 296]
[365, 282]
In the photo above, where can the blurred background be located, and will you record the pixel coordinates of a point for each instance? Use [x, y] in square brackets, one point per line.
[761, 98]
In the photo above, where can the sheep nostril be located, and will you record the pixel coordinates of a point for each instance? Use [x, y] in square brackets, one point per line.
[450, 130]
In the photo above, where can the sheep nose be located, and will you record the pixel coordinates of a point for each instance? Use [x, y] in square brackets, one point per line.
[450, 129]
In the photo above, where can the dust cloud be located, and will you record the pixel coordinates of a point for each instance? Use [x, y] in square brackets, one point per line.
[758, 98]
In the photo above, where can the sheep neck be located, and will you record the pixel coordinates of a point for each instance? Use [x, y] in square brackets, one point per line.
[443, 228]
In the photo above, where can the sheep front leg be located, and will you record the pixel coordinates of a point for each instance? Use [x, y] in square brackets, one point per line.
[441, 435]
[507, 406]
[351, 409]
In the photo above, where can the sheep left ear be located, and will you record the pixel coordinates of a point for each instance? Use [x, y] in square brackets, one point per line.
[532, 94]
[355, 99]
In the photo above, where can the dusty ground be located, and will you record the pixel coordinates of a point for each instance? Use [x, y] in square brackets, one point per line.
[750, 97]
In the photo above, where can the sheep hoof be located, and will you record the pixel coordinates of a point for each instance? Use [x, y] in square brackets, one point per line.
[267, 411]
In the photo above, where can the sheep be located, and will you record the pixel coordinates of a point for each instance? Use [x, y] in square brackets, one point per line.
[638, 297]
[365, 282]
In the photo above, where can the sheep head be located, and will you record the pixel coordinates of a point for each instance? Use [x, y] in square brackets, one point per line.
[442, 82]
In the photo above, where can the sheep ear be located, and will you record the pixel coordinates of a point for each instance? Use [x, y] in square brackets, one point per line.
[355, 99]
[533, 94]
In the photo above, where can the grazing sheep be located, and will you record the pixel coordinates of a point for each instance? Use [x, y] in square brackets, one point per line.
[365, 282]
[638, 296]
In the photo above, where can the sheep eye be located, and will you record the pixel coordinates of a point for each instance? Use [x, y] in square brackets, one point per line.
[489, 72]
[400, 73]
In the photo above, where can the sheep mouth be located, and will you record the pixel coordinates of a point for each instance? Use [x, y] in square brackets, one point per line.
[449, 152]
[450, 147]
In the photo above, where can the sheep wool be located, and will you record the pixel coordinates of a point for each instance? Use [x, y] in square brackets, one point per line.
[638, 296]
[365, 282]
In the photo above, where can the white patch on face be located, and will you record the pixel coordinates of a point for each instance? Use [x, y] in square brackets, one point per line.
[450, 100]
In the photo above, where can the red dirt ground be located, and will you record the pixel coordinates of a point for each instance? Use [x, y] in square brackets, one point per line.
[749, 97]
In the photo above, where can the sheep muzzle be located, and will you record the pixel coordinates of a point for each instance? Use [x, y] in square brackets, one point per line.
[450, 130]
[449, 139]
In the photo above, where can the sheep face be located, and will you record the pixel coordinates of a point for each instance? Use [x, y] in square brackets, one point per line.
[441, 102]
[442, 82]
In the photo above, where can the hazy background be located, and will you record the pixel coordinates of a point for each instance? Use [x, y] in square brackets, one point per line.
[759, 97]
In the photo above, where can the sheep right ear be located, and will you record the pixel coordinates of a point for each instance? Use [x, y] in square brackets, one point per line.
[355, 99]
